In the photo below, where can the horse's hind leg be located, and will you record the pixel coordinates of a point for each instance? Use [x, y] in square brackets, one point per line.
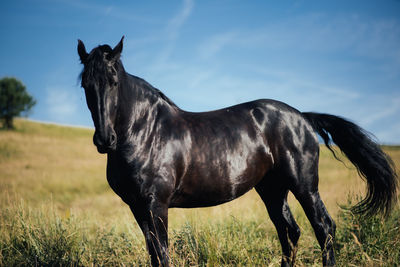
[323, 225]
[305, 189]
[288, 232]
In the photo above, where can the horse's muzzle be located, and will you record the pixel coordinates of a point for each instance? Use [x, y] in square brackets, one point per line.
[105, 143]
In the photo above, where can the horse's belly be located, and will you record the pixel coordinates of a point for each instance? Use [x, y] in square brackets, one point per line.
[183, 200]
[223, 171]
[216, 186]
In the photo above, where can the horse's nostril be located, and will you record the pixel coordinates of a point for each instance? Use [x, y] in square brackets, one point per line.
[113, 139]
[105, 143]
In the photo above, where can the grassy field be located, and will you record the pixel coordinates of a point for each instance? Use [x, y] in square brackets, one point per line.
[56, 208]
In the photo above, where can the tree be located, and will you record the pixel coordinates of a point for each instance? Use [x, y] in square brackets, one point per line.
[14, 100]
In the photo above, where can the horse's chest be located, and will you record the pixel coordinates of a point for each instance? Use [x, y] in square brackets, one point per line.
[122, 180]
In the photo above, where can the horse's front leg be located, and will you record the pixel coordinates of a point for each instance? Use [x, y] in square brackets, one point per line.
[153, 220]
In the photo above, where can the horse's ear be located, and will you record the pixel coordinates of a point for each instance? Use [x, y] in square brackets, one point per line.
[116, 52]
[82, 51]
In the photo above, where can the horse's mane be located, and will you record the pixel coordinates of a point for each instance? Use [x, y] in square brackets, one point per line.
[151, 89]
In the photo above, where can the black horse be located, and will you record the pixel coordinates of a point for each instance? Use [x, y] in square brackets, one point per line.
[160, 156]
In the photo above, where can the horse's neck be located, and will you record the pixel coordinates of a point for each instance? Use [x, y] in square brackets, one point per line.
[139, 105]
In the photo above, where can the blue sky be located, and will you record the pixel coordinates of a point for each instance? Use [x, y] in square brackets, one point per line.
[338, 57]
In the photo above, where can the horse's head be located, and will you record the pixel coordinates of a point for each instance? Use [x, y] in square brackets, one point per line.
[101, 82]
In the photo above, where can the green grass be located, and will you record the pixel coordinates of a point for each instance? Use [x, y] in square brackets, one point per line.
[370, 241]
[57, 209]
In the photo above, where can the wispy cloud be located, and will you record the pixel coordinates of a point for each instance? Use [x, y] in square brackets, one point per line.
[109, 10]
[216, 43]
[382, 108]
[179, 19]
[62, 103]
[319, 33]
[210, 89]
[172, 31]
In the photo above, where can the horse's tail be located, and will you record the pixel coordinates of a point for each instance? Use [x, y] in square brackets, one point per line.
[372, 163]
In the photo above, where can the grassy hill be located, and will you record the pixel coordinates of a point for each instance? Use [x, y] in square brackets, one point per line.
[57, 208]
